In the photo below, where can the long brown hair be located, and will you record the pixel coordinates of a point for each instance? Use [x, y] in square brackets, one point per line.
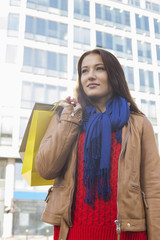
[116, 78]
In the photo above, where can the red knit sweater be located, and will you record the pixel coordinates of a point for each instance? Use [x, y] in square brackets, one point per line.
[96, 223]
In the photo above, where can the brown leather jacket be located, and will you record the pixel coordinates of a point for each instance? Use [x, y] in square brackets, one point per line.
[138, 196]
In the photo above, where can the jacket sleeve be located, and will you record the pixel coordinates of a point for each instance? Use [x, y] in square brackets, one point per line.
[150, 180]
[57, 142]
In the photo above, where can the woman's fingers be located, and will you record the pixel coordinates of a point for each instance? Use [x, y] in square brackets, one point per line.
[68, 99]
[72, 101]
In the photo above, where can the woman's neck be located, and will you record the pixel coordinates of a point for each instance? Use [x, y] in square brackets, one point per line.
[101, 105]
[100, 108]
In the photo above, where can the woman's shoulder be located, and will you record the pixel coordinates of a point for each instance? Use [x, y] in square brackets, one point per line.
[139, 117]
[140, 120]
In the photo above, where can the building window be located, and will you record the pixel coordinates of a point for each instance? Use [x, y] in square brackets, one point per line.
[15, 3]
[28, 57]
[38, 92]
[159, 81]
[53, 3]
[157, 28]
[51, 95]
[142, 24]
[153, 6]
[43, 62]
[13, 24]
[81, 9]
[81, 36]
[45, 30]
[3, 164]
[26, 99]
[53, 29]
[146, 81]
[54, 6]
[148, 5]
[127, 45]
[119, 46]
[40, 27]
[158, 53]
[98, 11]
[122, 46]
[149, 109]
[11, 54]
[56, 62]
[156, 7]
[62, 4]
[75, 62]
[39, 59]
[129, 74]
[107, 40]
[106, 13]
[117, 16]
[51, 58]
[135, 3]
[33, 92]
[30, 27]
[19, 182]
[144, 52]
[62, 62]
[41, 4]
[6, 130]
[112, 17]
[22, 127]
[62, 33]
[99, 42]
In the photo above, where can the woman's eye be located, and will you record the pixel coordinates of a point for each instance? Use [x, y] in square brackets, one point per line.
[84, 70]
[100, 68]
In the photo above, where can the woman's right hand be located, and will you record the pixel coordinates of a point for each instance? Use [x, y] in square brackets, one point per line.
[73, 101]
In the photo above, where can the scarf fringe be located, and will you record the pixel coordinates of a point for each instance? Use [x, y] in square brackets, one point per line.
[97, 186]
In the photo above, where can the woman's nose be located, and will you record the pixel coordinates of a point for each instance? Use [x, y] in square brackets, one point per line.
[91, 75]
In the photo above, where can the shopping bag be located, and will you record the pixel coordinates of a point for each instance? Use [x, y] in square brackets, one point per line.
[35, 130]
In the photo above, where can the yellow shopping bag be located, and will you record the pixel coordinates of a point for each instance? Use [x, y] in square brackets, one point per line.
[35, 130]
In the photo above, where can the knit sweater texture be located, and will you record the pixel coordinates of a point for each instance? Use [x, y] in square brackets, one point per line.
[96, 223]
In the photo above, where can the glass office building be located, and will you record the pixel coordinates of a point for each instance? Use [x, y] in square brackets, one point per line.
[41, 41]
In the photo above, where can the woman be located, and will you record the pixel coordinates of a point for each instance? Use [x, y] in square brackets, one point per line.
[101, 150]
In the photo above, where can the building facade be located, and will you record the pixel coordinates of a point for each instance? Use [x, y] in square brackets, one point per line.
[40, 43]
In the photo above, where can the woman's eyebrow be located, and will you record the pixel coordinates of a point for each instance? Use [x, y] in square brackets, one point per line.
[99, 64]
[94, 65]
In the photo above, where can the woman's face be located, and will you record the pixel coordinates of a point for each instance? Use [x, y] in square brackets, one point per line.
[94, 79]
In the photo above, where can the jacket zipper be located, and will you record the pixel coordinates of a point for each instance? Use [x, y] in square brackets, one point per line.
[144, 199]
[74, 112]
[47, 197]
[118, 227]
[51, 190]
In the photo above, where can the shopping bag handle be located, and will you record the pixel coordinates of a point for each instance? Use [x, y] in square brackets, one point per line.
[54, 108]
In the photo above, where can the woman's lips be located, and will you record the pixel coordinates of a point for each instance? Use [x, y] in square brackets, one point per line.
[92, 85]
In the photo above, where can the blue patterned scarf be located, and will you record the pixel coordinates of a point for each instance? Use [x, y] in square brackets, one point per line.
[97, 145]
